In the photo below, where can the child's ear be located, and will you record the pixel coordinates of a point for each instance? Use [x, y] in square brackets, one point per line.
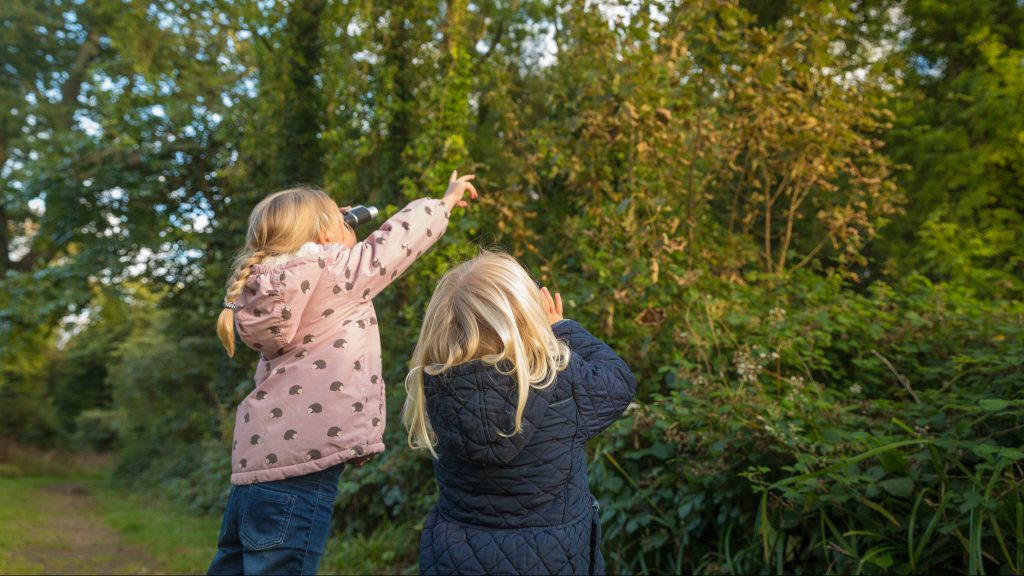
[322, 237]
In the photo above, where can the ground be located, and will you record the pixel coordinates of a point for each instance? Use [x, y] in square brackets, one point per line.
[59, 516]
[84, 525]
[66, 535]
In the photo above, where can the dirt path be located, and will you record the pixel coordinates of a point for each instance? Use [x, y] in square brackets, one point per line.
[68, 537]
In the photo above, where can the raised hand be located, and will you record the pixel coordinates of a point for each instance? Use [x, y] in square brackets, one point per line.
[552, 306]
[457, 187]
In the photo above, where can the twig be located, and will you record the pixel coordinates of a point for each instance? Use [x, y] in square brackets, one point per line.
[902, 379]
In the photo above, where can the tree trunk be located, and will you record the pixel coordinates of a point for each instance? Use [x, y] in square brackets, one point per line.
[302, 117]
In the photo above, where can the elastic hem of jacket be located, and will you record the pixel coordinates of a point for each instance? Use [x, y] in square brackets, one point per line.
[587, 517]
[303, 468]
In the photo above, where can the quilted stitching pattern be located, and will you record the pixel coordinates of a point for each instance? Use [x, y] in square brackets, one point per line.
[520, 504]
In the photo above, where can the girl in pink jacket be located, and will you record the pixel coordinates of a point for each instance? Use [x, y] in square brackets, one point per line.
[301, 295]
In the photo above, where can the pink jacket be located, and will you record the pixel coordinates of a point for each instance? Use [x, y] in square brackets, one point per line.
[319, 396]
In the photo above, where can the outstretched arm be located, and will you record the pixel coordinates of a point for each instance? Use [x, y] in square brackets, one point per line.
[368, 268]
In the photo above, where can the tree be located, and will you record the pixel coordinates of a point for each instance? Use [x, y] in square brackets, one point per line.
[958, 133]
[108, 153]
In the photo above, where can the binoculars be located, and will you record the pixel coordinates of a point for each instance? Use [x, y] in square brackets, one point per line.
[360, 215]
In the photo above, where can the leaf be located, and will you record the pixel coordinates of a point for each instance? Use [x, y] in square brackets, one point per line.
[769, 73]
[972, 501]
[989, 451]
[992, 405]
[899, 487]
[881, 510]
[882, 560]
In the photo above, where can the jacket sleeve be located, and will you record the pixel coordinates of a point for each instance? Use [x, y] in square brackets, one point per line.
[368, 268]
[602, 384]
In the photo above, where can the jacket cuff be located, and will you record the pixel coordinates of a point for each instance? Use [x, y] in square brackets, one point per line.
[564, 327]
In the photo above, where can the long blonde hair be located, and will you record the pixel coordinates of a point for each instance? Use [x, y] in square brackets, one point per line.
[488, 309]
[280, 224]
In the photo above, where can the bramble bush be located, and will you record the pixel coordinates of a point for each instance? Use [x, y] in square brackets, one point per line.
[787, 439]
[797, 427]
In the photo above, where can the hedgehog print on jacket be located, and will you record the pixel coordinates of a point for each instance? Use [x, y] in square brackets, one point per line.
[318, 400]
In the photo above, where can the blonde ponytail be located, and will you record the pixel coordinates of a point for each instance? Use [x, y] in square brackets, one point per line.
[226, 320]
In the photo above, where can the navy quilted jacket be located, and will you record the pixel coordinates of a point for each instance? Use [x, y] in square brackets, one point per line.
[520, 504]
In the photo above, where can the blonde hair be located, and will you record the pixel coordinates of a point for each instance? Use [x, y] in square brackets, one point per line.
[487, 308]
[280, 224]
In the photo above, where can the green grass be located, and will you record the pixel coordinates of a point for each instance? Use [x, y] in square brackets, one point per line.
[391, 549]
[174, 540]
[18, 511]
[182, 542]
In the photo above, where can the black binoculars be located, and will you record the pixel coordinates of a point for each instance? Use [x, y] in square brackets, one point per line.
[360, 215]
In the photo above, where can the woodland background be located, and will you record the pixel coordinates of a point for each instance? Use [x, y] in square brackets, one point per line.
[800, 222]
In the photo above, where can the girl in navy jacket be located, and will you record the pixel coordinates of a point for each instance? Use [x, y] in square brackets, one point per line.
[504, 393]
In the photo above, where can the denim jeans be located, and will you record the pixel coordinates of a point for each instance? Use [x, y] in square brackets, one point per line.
[277, 527]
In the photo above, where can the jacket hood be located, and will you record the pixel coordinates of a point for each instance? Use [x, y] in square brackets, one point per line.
[472, 409]
[274, 300]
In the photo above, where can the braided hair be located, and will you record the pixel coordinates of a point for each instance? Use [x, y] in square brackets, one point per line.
[280, 224]
[226, 321]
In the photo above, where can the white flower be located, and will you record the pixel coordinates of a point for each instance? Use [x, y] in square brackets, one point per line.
[778, 314]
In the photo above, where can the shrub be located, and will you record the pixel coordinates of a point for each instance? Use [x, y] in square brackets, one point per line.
[95, 430]
[850, 433]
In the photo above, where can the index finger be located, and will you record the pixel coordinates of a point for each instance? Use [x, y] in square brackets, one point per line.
[545, 296]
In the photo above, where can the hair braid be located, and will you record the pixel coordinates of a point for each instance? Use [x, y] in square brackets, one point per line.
[226, 321]
[243, 267]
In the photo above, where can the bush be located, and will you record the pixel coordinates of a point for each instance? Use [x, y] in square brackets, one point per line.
[29, 419]
[824, 430]
[95, 430]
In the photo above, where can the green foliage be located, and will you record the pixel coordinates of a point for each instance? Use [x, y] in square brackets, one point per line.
[800, 223]
[29, 418]
[390, 549]
[173, 431]
[785, 438]
[95, 430]
[959, 127]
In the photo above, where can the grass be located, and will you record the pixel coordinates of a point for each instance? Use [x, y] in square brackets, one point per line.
[18, 514]
[173, 540]
[391, 549]
[182, 542]
[23, 462]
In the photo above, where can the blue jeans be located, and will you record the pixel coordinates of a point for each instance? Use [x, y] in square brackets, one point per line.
[277, 527]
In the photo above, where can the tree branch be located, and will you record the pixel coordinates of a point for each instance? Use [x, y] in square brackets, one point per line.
[88, 51]
[36, 256]
[5, 257]
[499, 33]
